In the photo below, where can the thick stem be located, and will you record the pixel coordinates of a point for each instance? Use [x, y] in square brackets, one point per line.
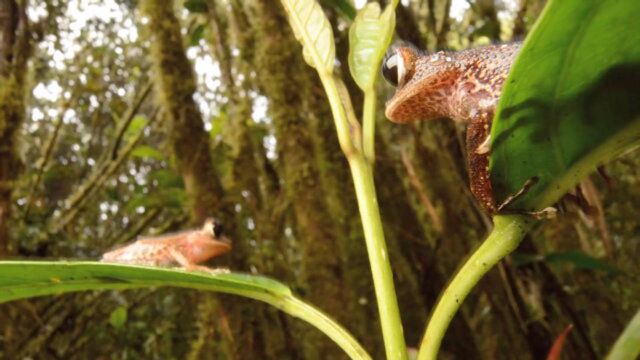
[507, 233]
[392, 333]
[350, 140]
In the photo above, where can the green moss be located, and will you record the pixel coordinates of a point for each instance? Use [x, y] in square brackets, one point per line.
[11, 118]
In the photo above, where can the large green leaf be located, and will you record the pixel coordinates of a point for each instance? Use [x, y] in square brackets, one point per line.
[311, 27]
[25, 279]
[571, 102]
[369, 37]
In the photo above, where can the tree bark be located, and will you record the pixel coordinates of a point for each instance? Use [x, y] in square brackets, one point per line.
[15, 48]
[174, 86]
[288, 82]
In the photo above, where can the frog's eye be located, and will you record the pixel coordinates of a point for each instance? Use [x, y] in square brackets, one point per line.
[218, 229]
[393, 68]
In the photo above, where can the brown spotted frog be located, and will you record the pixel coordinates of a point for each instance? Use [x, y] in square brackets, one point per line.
[464, 86]
[185, 249]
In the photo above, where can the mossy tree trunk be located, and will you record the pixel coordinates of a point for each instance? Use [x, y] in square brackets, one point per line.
[175, 86]
[14, 53]
[252, 184]
[288, 81]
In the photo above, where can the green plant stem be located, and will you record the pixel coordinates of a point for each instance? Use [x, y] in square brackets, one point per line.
[392, 332]
[369, 125]
[298, 308]
[350, 138]
[628, 344]
[507, 233]
[362, 174]
[339, 114]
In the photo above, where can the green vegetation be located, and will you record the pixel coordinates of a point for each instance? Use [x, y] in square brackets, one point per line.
[247, 138]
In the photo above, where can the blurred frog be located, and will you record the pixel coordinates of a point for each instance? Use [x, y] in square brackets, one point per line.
[185, 249]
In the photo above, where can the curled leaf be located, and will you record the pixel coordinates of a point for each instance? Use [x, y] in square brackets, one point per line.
[369, 37]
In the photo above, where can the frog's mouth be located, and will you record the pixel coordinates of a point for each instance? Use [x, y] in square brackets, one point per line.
[416, 100]
[224, 241]
[401, 110]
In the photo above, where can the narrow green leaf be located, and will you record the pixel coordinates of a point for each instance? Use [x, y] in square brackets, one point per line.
[197, 34]
[571, 102]
[521, 259]
[578, 259]
[146, 152]
[167, 178]
[136, 125]
[369, 37]
[313, 30]
[217, 124]
[142, 200]
[26, 279]
[628, 344]
[172, 198]
[196, 6]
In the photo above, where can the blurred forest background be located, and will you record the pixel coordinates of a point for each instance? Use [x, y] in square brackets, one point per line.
[122, 118]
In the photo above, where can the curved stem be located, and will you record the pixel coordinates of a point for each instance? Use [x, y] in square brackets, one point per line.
[298, 308]
[507, 233]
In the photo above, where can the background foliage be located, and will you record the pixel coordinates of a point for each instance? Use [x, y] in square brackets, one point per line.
[94, 98]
